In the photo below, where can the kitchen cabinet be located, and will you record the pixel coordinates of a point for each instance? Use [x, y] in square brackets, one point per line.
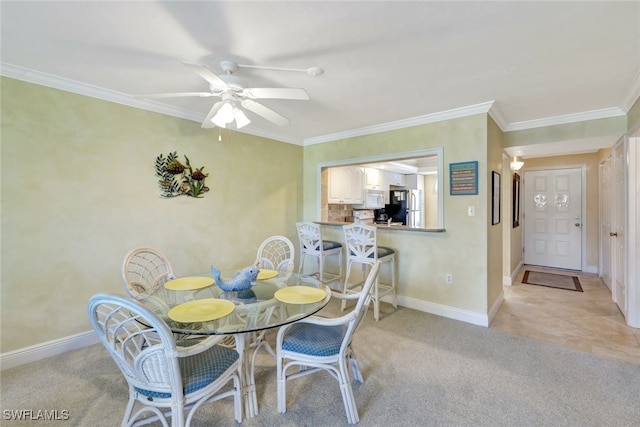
[389, 179]
[393, 178]
[373, 179]
[414, 182]
[346, 185]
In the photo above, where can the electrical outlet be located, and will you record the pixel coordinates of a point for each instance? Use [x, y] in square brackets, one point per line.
[448, 278]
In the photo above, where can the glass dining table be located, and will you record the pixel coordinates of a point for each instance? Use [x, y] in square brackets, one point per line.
[196, 306]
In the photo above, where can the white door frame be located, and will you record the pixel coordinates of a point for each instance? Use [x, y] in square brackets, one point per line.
[633, 228]
[619, 222]
[604, 227]
[583, 208]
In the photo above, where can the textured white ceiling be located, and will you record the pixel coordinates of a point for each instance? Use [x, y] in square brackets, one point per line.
[533, 63]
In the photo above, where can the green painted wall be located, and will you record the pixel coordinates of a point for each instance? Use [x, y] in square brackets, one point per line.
[633, 117]
[423, 259]
[566, 132]
[494, 248]
[79, 191]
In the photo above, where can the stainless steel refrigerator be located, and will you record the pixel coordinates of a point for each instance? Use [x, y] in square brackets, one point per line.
[405, 206]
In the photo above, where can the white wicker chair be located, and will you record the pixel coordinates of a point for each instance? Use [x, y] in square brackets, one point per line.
[317, 343]
[312, 244]
[164, 379]
[276, 253]
[144, 269]
[363, 249]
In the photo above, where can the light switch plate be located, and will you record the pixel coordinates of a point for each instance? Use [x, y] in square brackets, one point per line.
[472, 211]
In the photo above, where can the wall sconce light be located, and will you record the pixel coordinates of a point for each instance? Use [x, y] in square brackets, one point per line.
[516, 165]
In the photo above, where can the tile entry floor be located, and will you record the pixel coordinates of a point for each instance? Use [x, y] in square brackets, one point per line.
[588, 321]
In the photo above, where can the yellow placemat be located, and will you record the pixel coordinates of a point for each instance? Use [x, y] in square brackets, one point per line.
[201, 310]
[266, 274]
[188, 283]
[299, 295]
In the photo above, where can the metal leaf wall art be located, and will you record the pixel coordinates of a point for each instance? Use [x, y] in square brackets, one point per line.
[177, 179]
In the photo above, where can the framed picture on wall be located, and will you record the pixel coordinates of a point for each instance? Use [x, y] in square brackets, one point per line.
[463, 178]
[515, 200]
[495, 198]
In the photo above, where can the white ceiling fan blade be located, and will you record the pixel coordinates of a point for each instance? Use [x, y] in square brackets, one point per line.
[207, 123]
[206, 74]
[176, 95]
[312, 71]
[265, 112]
[276, 93]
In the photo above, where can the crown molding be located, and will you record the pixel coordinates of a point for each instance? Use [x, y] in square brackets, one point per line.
[563, 120]
[490, 107]
[404, 123]
[633, 94]
[73, 86]
[496, 114]
[264, 134]
[68, 85]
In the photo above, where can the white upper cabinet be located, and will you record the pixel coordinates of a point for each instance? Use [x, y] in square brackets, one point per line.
[393, 178]
[346, 185]
[373, 179]
[389, 179]
[414, 182]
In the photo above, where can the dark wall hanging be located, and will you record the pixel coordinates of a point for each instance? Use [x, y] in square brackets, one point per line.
[177, 179]
[495, 198]
[516, 200]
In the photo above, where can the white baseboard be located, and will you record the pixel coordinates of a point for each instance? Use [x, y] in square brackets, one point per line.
[496, 306]
[592, 269]
[510, 280]
[472, 317]
[516, 271]
[37, 352]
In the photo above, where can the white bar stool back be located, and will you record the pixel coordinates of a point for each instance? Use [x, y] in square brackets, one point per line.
[312, 244]
[363, 249]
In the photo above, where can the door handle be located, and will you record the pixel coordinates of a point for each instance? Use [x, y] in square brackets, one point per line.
[577, 224]
[613, 234]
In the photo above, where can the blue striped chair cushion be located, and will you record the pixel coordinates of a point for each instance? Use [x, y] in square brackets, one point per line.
[330, 244]
[382, 252]
[314, 340]
[200, 370]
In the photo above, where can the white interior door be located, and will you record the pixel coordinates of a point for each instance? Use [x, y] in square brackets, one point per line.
[618, 233]
[606, 226]
[553, 218]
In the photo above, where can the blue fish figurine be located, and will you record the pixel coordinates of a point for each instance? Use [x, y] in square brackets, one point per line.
[239, 282]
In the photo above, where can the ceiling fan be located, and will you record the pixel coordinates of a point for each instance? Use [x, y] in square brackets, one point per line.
[235, 95]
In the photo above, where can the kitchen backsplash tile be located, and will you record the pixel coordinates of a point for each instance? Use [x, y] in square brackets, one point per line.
[337, 213]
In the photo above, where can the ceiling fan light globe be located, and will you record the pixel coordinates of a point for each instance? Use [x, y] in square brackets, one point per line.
[225, 114]
[241, 119]
[216, 121]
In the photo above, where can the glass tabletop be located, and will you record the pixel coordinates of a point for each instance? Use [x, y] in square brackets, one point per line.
[207, 310]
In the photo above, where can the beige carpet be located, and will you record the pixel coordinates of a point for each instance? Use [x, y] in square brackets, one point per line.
[419, 370]
[559, 281]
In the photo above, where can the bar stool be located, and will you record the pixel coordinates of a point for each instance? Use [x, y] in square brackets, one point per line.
[311, 244]
[363, 249]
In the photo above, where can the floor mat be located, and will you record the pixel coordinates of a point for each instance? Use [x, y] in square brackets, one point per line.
[559, 281]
